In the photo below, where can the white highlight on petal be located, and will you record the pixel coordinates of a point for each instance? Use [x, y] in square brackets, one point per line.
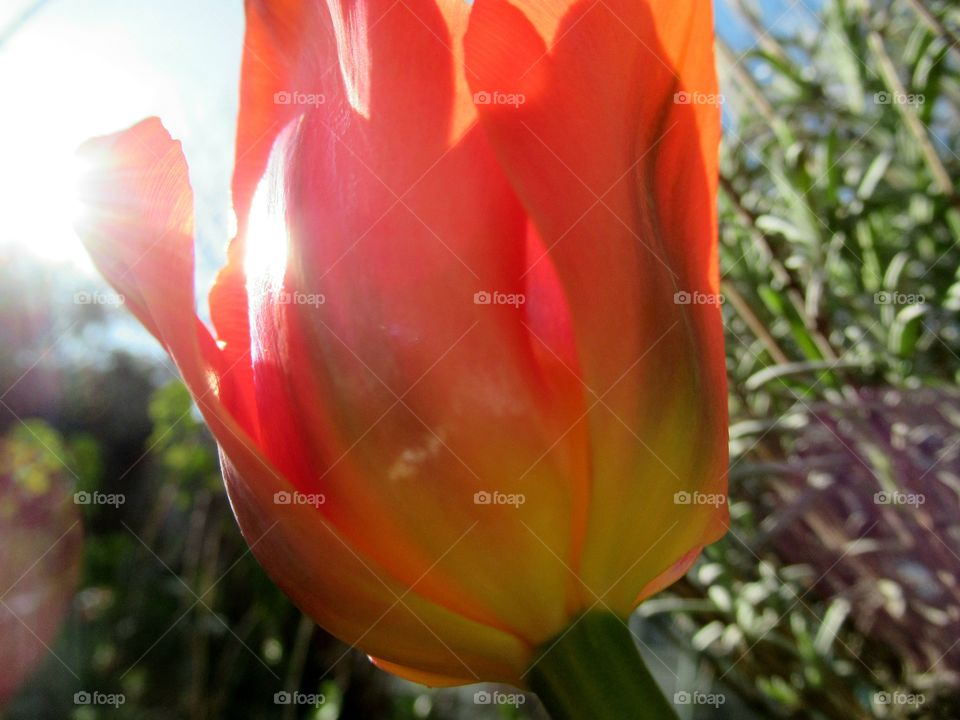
[267, 239]
[350, 23]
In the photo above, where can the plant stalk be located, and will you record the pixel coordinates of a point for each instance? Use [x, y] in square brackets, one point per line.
[593, 670]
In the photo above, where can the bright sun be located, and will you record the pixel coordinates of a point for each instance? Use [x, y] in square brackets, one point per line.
[40, 194]
[38, 181]
[69, 76]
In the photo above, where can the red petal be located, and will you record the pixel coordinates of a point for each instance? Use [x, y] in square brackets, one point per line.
[397, 229]
[138, 232]
[621, 182]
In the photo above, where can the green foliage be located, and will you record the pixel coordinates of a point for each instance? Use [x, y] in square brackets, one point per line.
[839, 215]
[187, 453]
[839, 227]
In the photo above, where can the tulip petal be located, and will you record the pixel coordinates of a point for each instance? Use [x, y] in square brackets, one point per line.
[408, 398]
[620, 182]
[668, 578]
[281, 37]
[349, 595]
[428, 679]
[138, 232]
[275, 48]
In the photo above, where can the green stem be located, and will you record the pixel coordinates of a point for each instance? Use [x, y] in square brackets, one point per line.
[593, 670]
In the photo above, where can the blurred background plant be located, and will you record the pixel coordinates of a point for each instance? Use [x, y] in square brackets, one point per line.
[835, 594]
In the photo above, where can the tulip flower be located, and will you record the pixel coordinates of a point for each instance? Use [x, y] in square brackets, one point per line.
[465, 362]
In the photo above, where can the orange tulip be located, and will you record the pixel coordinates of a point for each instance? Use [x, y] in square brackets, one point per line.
[466, 372]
